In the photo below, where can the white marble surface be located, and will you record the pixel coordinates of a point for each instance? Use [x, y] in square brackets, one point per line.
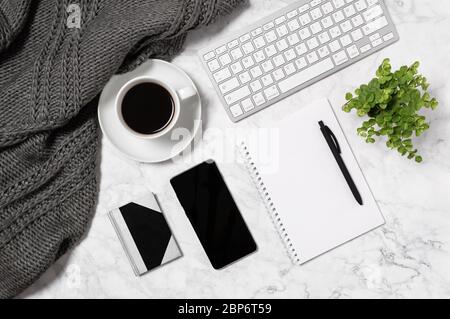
[408, 257]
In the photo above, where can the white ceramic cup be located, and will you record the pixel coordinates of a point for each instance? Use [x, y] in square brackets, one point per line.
[179, 97]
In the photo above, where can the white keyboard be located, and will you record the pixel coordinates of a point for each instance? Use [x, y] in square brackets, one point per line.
[294, 48]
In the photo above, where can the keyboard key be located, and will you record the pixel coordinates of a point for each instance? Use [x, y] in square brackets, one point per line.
[256, 86]
[365, 48]
[327, 8]
[357, 35]
[236, 110]
[267, 66]
[316, 27]
[256, 32]
[377, 42]
[259, 99]
[236, 68]
[371, 2]
[372, 13]
[316, 14]
[349, 11]
[293, 25]
[214, 65]
[278, 60]
[248, 48]
[301, 49]
[247, 105]
[388, 36]
[340, 58]
[289, 69]
[236, 54]
[292, 14]
[312, 43]
[323, 52]
[335, 32]
[267, 80]
[270, 50]
[256, 72]
[282, 45]
[312, 57]
[293, 39]
[225, 59]
[259, 42]
[229, 85]
[245, 38]
[357, 20]
[338, 3]
[301, 63]
[324, 37]
[374, 37]
[375, 25]
[278, 74]
[259, 56]
[335, 46]
[304, 33]
[346, 26]
[271, 36]
[245, 77]
[346, 40]
[338, 16]
[360, 5]
[233, 44]
[280, 20]
[305, 19]
[209, 56]
[327, 22]
[268, 26]
[303, 8]
[282, 31]
[237, 95]
[352, 51]
[306, 75]
[290, 55]
[314, 3]
[222, 75]
[248, 62]
[271, 92]
[221, 49]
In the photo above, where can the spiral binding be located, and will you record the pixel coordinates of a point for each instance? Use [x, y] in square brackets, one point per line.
[276, 218]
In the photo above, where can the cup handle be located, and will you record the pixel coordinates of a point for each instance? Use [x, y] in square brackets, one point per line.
[186, 93]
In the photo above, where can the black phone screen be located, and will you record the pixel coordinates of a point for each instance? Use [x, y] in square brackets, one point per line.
[213, 214]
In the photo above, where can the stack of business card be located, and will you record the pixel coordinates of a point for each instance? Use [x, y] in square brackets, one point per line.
[145, 234]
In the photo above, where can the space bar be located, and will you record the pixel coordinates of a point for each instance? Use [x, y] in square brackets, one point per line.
[305, 75]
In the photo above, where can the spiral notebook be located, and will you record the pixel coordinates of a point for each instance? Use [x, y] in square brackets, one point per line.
[303, 188]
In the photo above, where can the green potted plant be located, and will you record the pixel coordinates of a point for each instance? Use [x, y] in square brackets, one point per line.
[392, 101]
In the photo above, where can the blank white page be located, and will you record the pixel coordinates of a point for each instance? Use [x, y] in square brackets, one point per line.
[309, 191]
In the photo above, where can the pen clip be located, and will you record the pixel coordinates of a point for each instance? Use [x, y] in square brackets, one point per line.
[333, 137]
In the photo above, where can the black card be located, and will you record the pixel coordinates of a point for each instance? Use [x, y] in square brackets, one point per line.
[145, 234]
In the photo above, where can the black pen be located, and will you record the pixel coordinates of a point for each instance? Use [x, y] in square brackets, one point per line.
[336, 150]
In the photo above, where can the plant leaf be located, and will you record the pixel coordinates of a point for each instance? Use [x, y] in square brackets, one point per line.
[390, 104]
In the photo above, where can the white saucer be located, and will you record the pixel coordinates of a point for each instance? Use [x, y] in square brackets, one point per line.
[159, 149]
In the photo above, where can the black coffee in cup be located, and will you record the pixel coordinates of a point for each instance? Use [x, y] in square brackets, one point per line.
[147, 108]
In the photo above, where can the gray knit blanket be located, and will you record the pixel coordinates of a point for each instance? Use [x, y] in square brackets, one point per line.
[52, 67]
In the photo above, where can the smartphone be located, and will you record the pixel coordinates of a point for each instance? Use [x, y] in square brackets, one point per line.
[213, 214]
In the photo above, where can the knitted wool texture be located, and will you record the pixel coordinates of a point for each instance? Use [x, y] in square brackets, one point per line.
[50, 75]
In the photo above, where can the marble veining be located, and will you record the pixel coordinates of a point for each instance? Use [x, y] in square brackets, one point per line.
[408, 257]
